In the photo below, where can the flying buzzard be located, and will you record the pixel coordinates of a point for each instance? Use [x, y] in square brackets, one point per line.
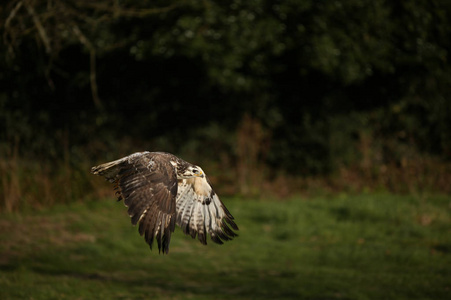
[161, 190]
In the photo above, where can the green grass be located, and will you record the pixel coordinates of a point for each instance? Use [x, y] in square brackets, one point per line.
[347, 247]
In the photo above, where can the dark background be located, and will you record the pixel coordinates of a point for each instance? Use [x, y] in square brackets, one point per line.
[264, 94]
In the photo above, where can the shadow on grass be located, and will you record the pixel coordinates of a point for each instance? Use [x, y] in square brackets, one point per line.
[184, 282]
[134, 275]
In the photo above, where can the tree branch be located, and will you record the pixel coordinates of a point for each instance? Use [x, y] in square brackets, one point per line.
[7, 28]
[92, 63]
[116, 10]
[39, 27]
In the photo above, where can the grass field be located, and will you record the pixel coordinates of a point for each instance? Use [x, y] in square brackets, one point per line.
[346, 247]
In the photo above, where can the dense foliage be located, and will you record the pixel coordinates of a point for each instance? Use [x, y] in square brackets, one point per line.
[327, 84]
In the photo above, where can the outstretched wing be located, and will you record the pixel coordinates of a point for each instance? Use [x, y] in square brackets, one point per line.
[201, 212]
[147, 182]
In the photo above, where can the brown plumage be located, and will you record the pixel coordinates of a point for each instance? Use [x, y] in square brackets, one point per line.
[162, 190]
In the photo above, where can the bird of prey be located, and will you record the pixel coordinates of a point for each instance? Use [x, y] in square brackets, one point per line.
[162, 190]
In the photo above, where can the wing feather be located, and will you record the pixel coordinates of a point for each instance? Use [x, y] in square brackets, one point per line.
[147, 227]
[200, 212]
[147, 182]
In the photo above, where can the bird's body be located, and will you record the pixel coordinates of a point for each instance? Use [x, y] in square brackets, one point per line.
[162, 190]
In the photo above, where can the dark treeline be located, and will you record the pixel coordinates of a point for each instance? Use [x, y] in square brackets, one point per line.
[300, 87]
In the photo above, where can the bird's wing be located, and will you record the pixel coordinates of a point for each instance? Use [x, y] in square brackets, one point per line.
[201, 212]
[147, 182]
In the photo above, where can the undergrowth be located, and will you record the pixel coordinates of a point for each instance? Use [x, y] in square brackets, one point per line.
[238, 166]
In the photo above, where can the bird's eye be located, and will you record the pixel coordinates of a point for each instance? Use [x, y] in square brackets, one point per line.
[195, 171]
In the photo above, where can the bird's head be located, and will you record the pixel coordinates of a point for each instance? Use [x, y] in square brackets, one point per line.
[191, 172]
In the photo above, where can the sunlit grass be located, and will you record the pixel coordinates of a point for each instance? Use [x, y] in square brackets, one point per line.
[359, 247]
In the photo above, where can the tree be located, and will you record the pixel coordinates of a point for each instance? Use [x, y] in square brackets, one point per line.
[316, 74]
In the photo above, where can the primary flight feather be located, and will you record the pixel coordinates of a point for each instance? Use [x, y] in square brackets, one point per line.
[162, 190]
